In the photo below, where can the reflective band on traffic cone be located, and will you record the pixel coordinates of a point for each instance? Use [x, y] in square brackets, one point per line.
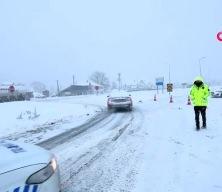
[171, 99]
[188, 101]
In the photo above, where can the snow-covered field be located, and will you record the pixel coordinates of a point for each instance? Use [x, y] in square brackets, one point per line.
[155, 148]
[37, 120]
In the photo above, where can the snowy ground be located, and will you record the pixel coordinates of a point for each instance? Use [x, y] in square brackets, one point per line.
[37, 120]
[178, 158]
[155, 148]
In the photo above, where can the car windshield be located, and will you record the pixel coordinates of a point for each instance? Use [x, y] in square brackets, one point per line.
[121, 99]
[125, 95]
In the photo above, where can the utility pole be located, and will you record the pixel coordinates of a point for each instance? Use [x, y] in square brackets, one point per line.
[73, 79]
[58, 87]
[169, 74]
[200, 67]
[119, 80]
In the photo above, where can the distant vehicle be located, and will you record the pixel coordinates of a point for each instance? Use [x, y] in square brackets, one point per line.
[114, 103]
[27, 168]
[216, 94]
[38, 95]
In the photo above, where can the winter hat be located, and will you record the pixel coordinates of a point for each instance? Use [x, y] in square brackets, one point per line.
[199, 78]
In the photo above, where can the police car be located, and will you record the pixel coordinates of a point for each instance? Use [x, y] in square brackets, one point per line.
[27, 168]
[216, 94]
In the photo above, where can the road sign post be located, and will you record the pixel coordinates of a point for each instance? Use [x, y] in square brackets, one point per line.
[160, 82]
[97, 89]
[169, 87]
[11, 89]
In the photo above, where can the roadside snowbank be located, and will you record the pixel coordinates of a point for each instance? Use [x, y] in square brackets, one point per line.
[18, 117]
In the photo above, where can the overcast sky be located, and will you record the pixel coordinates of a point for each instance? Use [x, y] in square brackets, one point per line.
[46, 40]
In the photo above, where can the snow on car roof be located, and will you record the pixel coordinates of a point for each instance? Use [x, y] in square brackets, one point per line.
[117, 93]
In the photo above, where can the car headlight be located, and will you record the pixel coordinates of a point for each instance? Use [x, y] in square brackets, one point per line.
[43, 174]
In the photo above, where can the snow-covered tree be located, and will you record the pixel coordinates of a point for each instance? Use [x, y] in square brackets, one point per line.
[38, 86]
[100, 78]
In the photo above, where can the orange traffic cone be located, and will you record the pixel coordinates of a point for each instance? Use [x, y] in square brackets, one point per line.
[155, 98]
[171, 99]
[188, 101]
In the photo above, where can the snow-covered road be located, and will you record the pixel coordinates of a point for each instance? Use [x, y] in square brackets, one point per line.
[158, 150]
[154, 148]
[105, 157]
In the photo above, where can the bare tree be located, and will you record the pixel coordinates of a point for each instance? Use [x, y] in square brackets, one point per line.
[100, 78]
[38, 86]
[114, 85]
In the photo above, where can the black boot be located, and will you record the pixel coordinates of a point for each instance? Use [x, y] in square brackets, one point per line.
[197, 125]
[204, 126]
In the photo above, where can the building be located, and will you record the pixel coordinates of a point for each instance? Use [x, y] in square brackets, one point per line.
[14, 92]
[46, 93]
[73, 90]
[76, 90]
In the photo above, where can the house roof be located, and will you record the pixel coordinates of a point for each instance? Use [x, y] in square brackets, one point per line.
[89, 83]
[76, 88]
[18, 86]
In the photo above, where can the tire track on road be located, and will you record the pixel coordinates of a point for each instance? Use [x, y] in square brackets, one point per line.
[70, 134]
[78, 169]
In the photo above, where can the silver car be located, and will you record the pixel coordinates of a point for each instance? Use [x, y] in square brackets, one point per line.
[120, 103]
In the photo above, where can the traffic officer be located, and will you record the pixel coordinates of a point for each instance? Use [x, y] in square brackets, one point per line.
[199, 94]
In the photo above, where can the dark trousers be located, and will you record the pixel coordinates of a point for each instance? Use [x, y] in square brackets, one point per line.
[200, 110]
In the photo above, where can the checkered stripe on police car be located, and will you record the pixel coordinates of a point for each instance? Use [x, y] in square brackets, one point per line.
[27, 188]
